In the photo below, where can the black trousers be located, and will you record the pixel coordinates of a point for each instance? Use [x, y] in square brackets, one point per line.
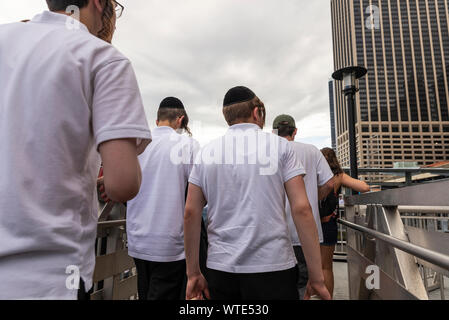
[84, 295]
[303, 274]
[279, 285]
[160, 280]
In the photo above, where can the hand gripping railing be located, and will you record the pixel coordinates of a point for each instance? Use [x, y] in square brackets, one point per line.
[378, 238]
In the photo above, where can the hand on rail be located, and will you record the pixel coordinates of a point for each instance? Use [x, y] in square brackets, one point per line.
[317, 288]
[197, 288]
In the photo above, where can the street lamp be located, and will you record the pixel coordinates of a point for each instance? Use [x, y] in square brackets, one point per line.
[349, 76]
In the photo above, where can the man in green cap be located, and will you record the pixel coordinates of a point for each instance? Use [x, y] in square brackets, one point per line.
[318, 181]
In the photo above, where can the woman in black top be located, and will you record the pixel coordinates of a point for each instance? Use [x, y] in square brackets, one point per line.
[329, 212]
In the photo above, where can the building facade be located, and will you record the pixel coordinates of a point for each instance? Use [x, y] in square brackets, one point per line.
[402, 105]
[332, 114]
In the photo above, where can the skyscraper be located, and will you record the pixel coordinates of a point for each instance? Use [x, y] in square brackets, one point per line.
[332, 113]
[402, 106]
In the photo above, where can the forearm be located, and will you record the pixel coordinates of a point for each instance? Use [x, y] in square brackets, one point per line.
[192, 234]
[308, 235]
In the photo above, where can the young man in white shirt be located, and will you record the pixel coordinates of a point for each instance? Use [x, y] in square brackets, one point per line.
[155, 218]
[318, 181]
[244, 176]
[69, 100]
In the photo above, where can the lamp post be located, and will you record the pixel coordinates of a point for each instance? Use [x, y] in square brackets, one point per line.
[349, 76]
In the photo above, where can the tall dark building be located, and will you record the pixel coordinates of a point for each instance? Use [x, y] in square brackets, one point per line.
[332, 114]
[402, 106]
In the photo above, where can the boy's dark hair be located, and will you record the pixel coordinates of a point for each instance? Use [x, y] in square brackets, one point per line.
[242, 111]
[286, 131]
[168, 114]
[61, 5]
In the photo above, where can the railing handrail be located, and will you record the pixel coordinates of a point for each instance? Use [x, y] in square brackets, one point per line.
[441, 171]
[430, 194]
[431, 256]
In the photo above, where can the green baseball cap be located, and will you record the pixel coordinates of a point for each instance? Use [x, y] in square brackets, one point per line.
[284, 120]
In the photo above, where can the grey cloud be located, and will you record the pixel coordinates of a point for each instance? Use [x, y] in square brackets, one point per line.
[198, 49]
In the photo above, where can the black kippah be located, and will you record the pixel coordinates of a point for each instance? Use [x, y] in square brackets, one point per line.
[171, 103]
[238, 95]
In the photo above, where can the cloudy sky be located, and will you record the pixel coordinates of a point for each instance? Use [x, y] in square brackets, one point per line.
[198, 49]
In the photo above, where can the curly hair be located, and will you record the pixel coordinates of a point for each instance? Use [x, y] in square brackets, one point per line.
[331, 158]
[106, 18]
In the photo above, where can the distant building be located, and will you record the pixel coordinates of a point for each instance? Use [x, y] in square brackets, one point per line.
[402, 106]
[332, 114]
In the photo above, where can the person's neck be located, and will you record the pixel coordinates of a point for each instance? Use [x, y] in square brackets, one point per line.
[166, 124]
[248, 122]
[290, 138]
[84, 18]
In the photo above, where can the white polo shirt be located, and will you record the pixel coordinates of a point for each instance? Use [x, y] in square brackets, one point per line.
[318, 174]
[242, 176]
[155, 218]
[62, 93]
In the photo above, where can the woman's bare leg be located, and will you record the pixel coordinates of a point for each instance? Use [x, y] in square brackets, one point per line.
[327, 255]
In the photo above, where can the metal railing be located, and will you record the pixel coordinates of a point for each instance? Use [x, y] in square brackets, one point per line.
[377, 236]
[115, 276]
[401, 177]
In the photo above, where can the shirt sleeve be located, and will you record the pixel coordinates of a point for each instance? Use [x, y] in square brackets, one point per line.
[292, 165]
[117, 108]
[324, 172]
[194, 148]
[196, 174]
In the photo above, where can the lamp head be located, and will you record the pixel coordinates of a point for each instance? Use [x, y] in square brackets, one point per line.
[349, 75]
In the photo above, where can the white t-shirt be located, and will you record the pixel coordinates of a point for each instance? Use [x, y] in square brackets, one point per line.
[242, 176]
[318, 174]
[155, 218]
[62, 93]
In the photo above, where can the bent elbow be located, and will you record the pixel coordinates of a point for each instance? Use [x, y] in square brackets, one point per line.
[301, 211]
[123, 192]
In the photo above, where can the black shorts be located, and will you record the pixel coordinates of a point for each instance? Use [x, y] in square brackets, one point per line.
[330, 232]
[161, 280]
[279, 285]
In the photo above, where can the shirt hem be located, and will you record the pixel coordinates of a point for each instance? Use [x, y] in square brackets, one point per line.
[250, 269]
[122, 133]
[195, 182]
[147, 257]
[294, 174]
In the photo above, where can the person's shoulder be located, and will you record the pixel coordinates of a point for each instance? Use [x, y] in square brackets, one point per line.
[188, 140]
[306, 147]
[8, 31]
[87, 47]
[11, 25]
[103, 52]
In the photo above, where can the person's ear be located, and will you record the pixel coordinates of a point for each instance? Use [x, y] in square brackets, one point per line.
[256, 114]
[157, 123]
[98, 6]
[179, 121]
[295, 133]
